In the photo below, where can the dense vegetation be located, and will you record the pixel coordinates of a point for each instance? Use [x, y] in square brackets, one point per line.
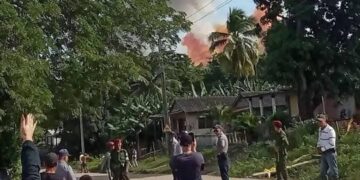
[100, 60]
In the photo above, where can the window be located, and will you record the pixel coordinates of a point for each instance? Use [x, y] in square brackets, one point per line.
[205, 123]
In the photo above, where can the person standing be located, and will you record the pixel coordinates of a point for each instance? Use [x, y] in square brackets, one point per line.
[119, 162]
[326, 146]
[50, 165]
[189, 164]
[30, 159]
[134, 157]
[222, 146]
[63, 169]
[176, 145]
[106, 164]
[281, 143]
[83, 162]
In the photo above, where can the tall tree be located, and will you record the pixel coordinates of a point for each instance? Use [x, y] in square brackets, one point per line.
[83, 53]
[237, 50]
[312, 46]
[23, 74]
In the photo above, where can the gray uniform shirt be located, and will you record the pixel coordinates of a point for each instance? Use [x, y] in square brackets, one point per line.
[64, 171]
[222, 144]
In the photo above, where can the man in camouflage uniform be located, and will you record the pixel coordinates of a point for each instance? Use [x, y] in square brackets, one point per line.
[281, 144]
[119, 162]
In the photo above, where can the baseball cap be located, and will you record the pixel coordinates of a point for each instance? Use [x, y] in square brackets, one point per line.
[218, 126]
[51, 159]
[185, 140]
[63, 152]
[321, 116]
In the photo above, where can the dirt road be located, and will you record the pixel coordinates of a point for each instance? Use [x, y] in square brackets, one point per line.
[97, 176]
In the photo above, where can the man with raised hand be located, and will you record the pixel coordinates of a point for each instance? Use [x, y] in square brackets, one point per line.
[30, 159]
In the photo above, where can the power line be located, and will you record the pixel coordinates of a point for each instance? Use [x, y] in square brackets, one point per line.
[206, 5]
[217, 8]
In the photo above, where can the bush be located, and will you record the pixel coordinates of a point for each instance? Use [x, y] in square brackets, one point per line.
[285, 118]
[296, 134]
[260, 156]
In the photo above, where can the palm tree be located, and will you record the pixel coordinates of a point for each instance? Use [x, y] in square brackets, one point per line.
[150, 84]
[238, 49]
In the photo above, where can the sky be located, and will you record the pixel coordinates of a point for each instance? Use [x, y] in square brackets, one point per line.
[207, 14]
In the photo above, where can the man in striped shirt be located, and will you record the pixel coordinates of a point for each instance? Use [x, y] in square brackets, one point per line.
[326, 146]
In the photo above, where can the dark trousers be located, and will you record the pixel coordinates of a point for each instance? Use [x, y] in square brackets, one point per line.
[281, 171]
[120, 174]
[223, 162]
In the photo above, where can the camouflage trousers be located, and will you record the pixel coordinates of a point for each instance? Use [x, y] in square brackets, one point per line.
[281, 171]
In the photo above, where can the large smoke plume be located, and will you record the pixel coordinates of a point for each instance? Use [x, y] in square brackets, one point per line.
[196, 40]
[198, 51]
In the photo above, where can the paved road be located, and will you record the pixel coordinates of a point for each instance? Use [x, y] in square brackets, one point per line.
[97, 176]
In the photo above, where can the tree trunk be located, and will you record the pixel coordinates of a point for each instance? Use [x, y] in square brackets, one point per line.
[304, 96]
[306, 108]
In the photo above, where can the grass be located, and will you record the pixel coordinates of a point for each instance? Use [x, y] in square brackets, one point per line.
[258, 157]
[153, 165]
[93, 164]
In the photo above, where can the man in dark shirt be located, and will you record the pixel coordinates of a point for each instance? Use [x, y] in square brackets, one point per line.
[189, 164]
[30, 159]
[50, 163]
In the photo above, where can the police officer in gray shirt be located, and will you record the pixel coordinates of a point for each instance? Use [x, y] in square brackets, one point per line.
[222, 146]
[63, 169]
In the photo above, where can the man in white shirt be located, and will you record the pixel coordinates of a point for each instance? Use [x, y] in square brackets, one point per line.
[326, 146]
[222, 146]
[176, 145]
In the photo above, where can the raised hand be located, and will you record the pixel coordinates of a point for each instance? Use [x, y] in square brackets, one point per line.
[27, 127]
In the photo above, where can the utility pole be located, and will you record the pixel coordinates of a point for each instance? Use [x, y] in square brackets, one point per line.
[81, 131]
[163, 90]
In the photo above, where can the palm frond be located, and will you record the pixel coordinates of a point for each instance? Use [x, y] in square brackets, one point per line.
[214, 36]
[217, 44]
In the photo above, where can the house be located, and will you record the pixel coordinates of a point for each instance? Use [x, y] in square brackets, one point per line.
[189, 113]
[263, 103]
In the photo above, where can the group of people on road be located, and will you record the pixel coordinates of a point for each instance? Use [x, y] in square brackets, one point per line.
[117, 160]
[187, 163]
[56, 165]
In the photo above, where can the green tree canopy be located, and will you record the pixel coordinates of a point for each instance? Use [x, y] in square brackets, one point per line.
[312, 46]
